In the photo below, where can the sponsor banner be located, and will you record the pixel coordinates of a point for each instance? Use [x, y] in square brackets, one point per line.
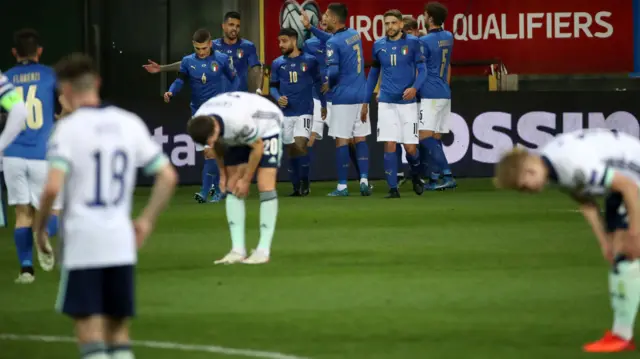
[483, 125]
[529, 36]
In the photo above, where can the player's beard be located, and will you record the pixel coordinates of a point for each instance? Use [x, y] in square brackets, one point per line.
[287, 52]
[392, 33]
[231, 35]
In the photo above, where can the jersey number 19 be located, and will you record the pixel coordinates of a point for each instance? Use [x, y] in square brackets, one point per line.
[35, 118]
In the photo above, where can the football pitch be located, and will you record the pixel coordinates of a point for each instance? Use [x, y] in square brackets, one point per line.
[470, 273]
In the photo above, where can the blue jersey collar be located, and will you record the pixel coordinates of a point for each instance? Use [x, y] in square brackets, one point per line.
[341, 30]
[27, 62]
[437, 29]
[552, 174]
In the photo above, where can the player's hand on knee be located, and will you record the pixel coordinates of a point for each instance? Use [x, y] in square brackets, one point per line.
[283, 101]
[142, 227]
[152, 67]
[241, 189]
[167, 97]
[364, 111]
[323, 113]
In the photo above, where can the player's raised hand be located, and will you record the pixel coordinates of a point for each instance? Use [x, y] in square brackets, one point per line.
[409, 94]
[283, 101]
[142, 227]
[306, 22]
[152, 67]
[167, 97]
[364, 111]
[323, 113]
[241, 189]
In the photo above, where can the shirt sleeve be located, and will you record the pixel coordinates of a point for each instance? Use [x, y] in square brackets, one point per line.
[184, 66]
[59, 148]
[149, 155]
[252, 55]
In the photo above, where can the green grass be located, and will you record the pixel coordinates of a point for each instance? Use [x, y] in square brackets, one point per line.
[471, 273]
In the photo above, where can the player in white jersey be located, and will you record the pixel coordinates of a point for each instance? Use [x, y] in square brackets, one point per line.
[243, 130]
[96, 152]
[590, 163]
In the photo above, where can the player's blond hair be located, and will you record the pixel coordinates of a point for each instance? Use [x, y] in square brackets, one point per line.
[509, 168]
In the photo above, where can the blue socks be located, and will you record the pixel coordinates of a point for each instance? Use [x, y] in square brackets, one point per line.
[362, 153]
[436, 154]
[354, 159]
[399, 157]
[209, 176]
[23, 238]
[310, 155]
[414, 163]
[391, 169]
[342, 162]
[304, 167]
[52, 226]
[294, 172]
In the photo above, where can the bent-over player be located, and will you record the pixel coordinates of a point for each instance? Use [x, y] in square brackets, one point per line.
[589, 163]
[97, 151]
[243, 130]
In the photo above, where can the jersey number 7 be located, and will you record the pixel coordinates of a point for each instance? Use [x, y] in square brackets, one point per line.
[35, 118]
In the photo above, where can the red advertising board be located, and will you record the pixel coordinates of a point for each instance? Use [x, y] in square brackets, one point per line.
[529, 36]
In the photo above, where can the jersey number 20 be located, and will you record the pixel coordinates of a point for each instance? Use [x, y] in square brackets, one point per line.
[116, 163]
[34, 107]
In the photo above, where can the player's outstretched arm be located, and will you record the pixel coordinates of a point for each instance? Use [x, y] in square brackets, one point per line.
[321, 35]
[13, 104]
[154, 68]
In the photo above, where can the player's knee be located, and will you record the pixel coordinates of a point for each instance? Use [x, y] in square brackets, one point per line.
[24, 216]
[389, 147]
[411, 149]
[267, 179]
[425, 134]
[117, 331]
[301, 146]
[90, 329]
[437, 135]
[359, 139]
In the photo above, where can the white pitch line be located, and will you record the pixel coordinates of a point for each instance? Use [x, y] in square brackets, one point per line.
[161, 345]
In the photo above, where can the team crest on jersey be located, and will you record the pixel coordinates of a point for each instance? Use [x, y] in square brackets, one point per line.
[303, 66]
[329, 52]
[405, 50]
[240, 53]
[215, 66]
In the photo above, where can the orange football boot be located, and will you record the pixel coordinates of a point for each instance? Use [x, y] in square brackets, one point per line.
[610, 343]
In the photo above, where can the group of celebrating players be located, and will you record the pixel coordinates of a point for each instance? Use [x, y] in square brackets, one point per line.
[95, 150]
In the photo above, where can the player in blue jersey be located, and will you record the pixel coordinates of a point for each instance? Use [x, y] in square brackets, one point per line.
[316, 47]
[347, 83]
[399, 58]
[208, 73]
[242, 52]
[436, 96]
[25, 166]
[294, 75]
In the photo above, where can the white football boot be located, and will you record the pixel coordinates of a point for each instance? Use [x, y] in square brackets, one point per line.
[25, 278]
[257, 257]
[231, 258]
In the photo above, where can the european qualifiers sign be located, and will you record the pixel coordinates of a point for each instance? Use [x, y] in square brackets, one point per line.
[483, 126]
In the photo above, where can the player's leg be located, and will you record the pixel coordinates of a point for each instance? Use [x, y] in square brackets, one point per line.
[288, 140]
[37, 177]
[408, 128]
[80, 296]
[302, 133]
[235, 162]
[15, 176]
[388, 134]
[401, 174]
[267, 178]
[428, 143]
[342, 130]
[119, 299]
[443, 127]
[360, 132]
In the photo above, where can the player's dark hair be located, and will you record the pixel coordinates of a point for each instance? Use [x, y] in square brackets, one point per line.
[232, 15]
[340, 11]
[437, 11]
[287, 31]
[201, 36]
[77, 69]
[395, 13]
[200, 128]
[410, 23]
[27, 42]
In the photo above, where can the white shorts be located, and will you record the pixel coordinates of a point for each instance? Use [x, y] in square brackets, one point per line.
[318, 123]
[25, 181]
[398, 122]
[435, 114]
[296, 126]
[345, 122]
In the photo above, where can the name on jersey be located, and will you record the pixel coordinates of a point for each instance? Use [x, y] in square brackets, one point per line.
[24, 78]
[352, 40]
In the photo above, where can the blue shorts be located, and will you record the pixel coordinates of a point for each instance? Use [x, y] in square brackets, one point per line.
[615, 213]
[107, 291]
[238, 155]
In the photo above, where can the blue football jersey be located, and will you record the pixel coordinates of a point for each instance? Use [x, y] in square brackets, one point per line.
[399, 61]
[207, 77]
[437, 46]
[244, 56]
[295, 78]
[317, 48]
[36, 84]
[346, 67]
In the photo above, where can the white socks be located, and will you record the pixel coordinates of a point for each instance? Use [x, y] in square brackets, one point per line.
[624, 288]
[268, 217]
[236, 219]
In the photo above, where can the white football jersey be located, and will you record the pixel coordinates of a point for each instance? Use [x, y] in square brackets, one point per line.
[100, 149]
[5, 85]
[586, 160]
[245, 117]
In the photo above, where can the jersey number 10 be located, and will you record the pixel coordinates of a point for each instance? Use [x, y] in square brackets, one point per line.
[35, 118]
[293, 77]
[118, 168]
